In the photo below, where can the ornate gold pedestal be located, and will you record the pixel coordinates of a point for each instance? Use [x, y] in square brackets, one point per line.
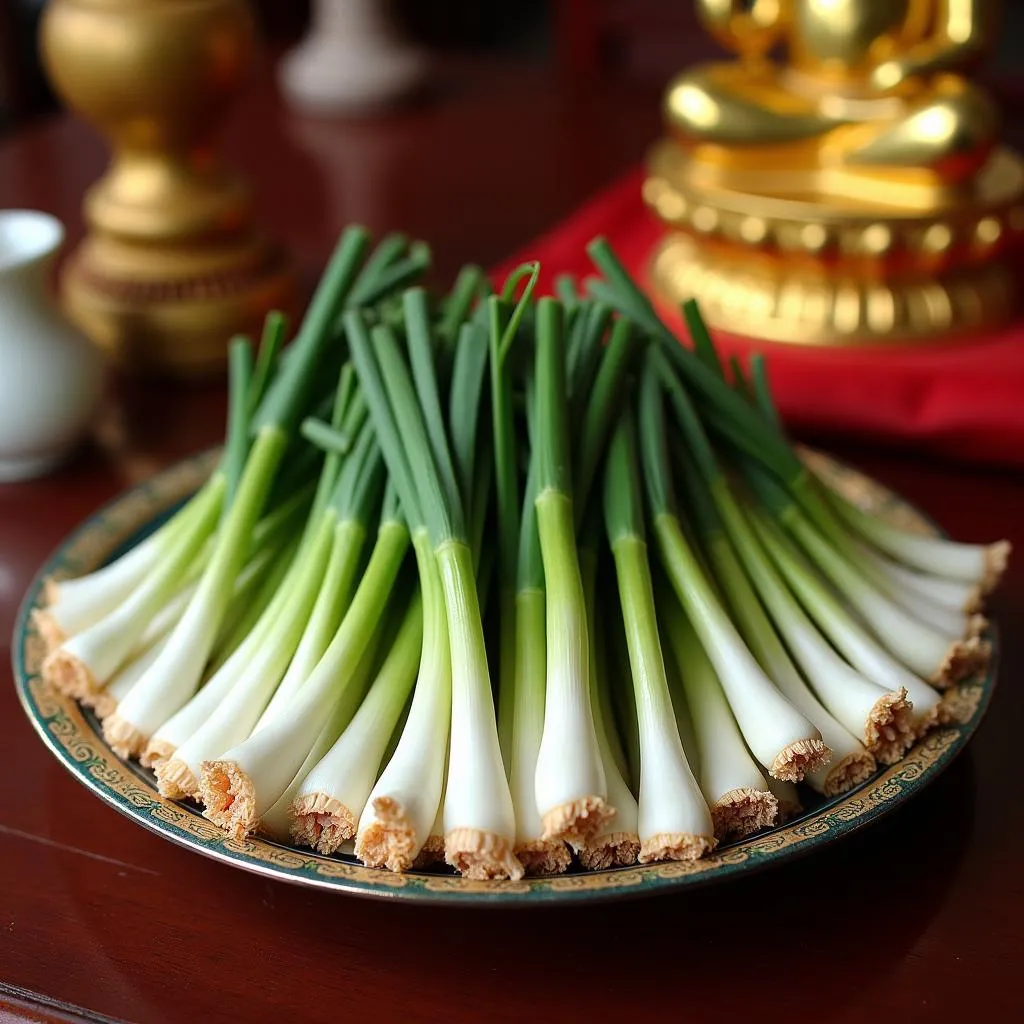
[811, 271]
[841, 181]
[173, 308]
[172, 265]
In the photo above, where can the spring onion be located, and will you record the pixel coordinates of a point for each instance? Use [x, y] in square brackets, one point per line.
[778, 735]
[845, 632]
[851, 763]
[674, 821]
[732, 783]
[942, 658]
[617, 842]
[326, 808]
[242, 783]
[570, 785]
[479, 817]
[301, 647]
[174, 677]
[523, 606]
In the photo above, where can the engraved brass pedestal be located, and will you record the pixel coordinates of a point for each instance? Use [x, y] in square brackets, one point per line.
[854, 195]
[171, 266]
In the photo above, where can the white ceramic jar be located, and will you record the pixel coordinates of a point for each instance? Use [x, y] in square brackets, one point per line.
[51, 376]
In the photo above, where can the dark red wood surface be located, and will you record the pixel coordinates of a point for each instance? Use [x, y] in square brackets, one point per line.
[915, 918]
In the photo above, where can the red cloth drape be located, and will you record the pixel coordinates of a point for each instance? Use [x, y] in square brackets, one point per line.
[959, 400]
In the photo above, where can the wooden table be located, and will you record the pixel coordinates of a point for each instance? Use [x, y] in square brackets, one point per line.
[915, 918]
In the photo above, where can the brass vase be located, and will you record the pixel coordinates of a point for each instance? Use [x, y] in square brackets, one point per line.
[171, 265]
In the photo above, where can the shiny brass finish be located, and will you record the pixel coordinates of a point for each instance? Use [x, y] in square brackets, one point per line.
[172, 266]
[758, 298]
[853, 179]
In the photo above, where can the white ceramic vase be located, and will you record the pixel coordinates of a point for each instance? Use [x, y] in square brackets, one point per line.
[351, 62]
[51, 376]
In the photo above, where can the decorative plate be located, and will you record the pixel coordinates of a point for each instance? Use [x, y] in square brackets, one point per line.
[74, 736]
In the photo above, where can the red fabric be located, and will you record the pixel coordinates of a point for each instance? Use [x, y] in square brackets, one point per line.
[963, 401]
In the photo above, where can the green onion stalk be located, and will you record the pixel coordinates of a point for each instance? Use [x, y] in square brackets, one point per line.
[778, 735]
[479, 816]
[277, 821]
[104, 699]
[938, 595]
[979, 566]
[270, 600]
[503, 327]
[263, 570]
[915, 593]
[326, 807]
[241, 784]
[538, 854]
[756, 431]
[617, 842]
[350, 513]
[522, 603]
[879, 716]
[257, 583]
[846, 633]
[674, 821]
[948, 606]
[866, 708]
[594, 412]
[584, 355]
[86, 664]
[73, 605]
[398, 815]
[732, 783]
[851, 762]
[224, 701]
[619, 684]
[596, 379]
[601, 411]
[570, 786]
[174, 677]
[943, 656]
[230, 706]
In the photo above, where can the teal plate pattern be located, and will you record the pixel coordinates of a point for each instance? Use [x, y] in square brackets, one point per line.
[73, 736]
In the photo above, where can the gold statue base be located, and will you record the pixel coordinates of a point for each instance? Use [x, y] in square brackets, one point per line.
[816, 270]
[173, 309]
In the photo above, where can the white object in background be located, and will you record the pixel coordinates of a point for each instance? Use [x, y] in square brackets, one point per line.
[51, 376]
[352, 60]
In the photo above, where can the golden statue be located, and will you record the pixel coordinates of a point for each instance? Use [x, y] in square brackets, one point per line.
[172, 265]
[856, 192]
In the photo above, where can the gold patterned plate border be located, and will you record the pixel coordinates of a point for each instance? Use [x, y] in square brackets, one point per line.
[74, 737]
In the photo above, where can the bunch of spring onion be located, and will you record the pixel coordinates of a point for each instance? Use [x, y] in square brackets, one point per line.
[512, 582]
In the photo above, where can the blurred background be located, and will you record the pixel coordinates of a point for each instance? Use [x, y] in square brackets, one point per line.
[643, 40]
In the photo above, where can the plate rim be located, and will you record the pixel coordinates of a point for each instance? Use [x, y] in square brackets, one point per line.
[116, 523]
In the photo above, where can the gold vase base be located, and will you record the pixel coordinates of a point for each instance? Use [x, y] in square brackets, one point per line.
[816, 271]
[172, 311]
